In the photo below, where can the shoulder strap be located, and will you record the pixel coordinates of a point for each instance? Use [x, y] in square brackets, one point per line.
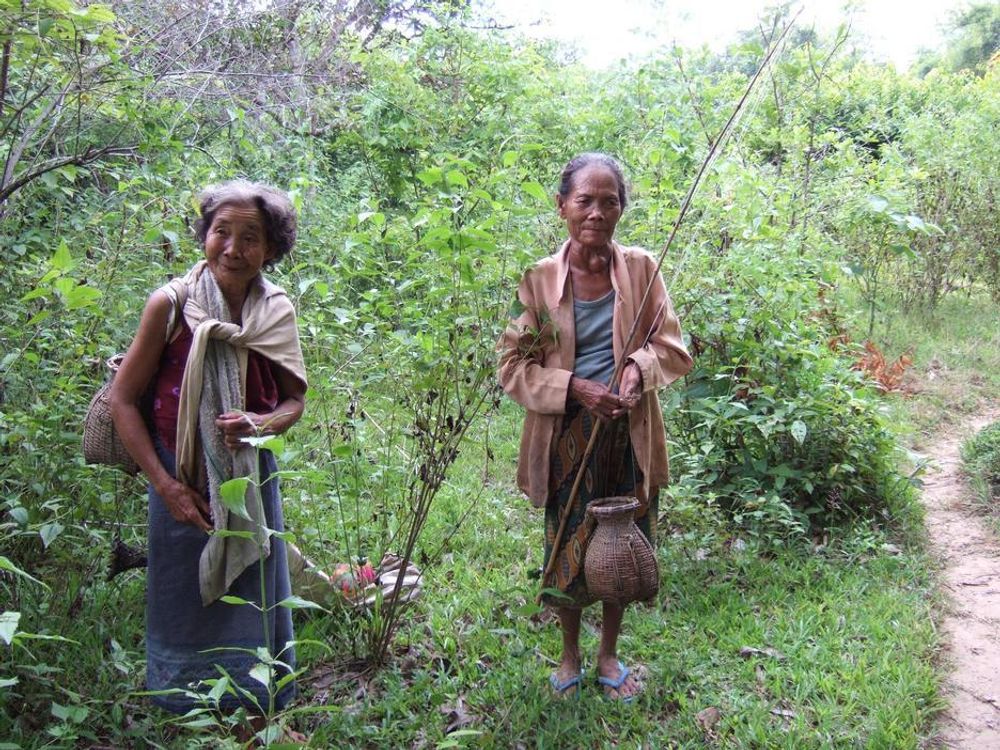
[177, 292]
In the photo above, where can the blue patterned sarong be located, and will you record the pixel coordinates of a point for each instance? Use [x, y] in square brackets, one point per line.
[183, 638]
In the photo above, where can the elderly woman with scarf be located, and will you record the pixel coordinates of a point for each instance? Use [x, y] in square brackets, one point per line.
[227, 367]
[576, 307]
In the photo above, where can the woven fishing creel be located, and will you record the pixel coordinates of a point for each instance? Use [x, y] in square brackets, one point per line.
[620, 564]
[101, 443]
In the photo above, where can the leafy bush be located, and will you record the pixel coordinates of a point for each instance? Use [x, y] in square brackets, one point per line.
[773, 426]
[981, 455]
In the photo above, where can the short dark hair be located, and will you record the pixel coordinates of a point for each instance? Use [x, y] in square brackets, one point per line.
[588, 159]
[274, 206]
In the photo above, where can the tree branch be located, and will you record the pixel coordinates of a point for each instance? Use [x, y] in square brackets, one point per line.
[88, 156]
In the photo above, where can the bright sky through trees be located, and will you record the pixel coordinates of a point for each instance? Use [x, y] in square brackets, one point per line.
[604, 32]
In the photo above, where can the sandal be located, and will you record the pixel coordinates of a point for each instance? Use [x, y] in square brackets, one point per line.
[563, 688]
[615, 683]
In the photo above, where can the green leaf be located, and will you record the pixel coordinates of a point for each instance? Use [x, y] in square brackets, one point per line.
[234, 496]
[39, 317]
[230, 599]
[224, 533]
[219, 689]
[98, 13]
[798, 431]
[7, 565]
[6, 682]
[430, 176]
[376, 218]
[37, 637]
[262, 673]
[297, 602]
[274, 443]
[81, 295]
[529, 610]
[455, 177]
[877, 204]
[38, 291]
[8, 626]
[535, 190]
[49, 532]
[555, 593]
[201, 722]
[73, 714]
[62, 260]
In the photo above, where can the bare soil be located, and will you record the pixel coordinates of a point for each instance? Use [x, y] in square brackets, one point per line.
[970, 556]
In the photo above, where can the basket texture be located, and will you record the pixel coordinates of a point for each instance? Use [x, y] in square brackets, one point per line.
[620, 564]
[101, 443]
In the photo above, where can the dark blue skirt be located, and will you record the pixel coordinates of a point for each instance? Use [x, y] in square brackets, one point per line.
[187, 643]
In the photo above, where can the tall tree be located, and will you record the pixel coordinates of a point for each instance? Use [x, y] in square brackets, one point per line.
[973, 39]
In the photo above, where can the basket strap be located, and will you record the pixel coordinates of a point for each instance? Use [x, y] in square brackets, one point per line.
[177, 292]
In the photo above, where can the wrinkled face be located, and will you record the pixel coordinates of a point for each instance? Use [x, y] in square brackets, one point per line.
[592, 208]
[236, 245]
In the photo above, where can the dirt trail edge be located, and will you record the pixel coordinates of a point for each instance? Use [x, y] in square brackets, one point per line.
[970, 556]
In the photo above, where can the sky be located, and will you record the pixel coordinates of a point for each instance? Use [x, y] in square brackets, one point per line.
[607, 30]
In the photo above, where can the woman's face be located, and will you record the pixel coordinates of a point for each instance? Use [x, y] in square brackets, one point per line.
[236, 245]
[592, 208]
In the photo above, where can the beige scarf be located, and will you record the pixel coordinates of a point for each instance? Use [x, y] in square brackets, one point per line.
[214, 381]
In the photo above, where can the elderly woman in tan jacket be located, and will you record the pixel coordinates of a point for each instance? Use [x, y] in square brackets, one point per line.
[576, 308]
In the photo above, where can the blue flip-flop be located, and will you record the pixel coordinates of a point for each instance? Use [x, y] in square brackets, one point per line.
[560, 687]
[616, 683]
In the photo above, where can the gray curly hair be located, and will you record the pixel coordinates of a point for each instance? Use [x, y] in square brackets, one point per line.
[274, 206]
[580, 161]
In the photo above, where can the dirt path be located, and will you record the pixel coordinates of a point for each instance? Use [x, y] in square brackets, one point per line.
[970, 554]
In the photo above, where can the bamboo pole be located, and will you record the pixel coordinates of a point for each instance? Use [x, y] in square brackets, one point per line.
[685, 205]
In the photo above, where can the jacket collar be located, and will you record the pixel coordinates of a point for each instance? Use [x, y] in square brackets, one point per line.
[563, 287]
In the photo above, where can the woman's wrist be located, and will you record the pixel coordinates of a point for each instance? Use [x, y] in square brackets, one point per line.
[161, 482]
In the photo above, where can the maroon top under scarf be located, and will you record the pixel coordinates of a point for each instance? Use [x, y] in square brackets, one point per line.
[262, 388]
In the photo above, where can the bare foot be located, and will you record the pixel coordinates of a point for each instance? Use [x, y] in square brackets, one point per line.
[619, 682]
[291, 737]
[565, 680]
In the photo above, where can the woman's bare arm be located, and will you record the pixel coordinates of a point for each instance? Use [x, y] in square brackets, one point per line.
[131, 382]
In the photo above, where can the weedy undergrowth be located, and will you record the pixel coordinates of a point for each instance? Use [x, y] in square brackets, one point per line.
[981, 455]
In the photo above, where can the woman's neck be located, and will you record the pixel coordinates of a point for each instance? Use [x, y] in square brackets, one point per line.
[590, 272]
[234, 299]
[595, 260]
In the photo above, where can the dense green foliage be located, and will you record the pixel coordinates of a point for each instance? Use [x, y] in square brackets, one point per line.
[981, 455]
[973, 40]
[423, 170]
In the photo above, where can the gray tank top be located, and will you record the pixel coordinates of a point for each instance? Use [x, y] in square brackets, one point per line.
[595, 354]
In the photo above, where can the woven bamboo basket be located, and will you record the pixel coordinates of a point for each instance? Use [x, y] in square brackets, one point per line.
[101, 442]
[620, 564]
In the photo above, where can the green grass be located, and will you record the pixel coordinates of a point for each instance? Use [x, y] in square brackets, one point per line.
[852, 626]
[981, 461]
[956, 361]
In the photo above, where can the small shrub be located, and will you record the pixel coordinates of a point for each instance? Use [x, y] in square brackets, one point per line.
[981, 455]
[773, 424]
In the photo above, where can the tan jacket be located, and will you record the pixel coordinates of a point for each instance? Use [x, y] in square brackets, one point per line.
[537, 353]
